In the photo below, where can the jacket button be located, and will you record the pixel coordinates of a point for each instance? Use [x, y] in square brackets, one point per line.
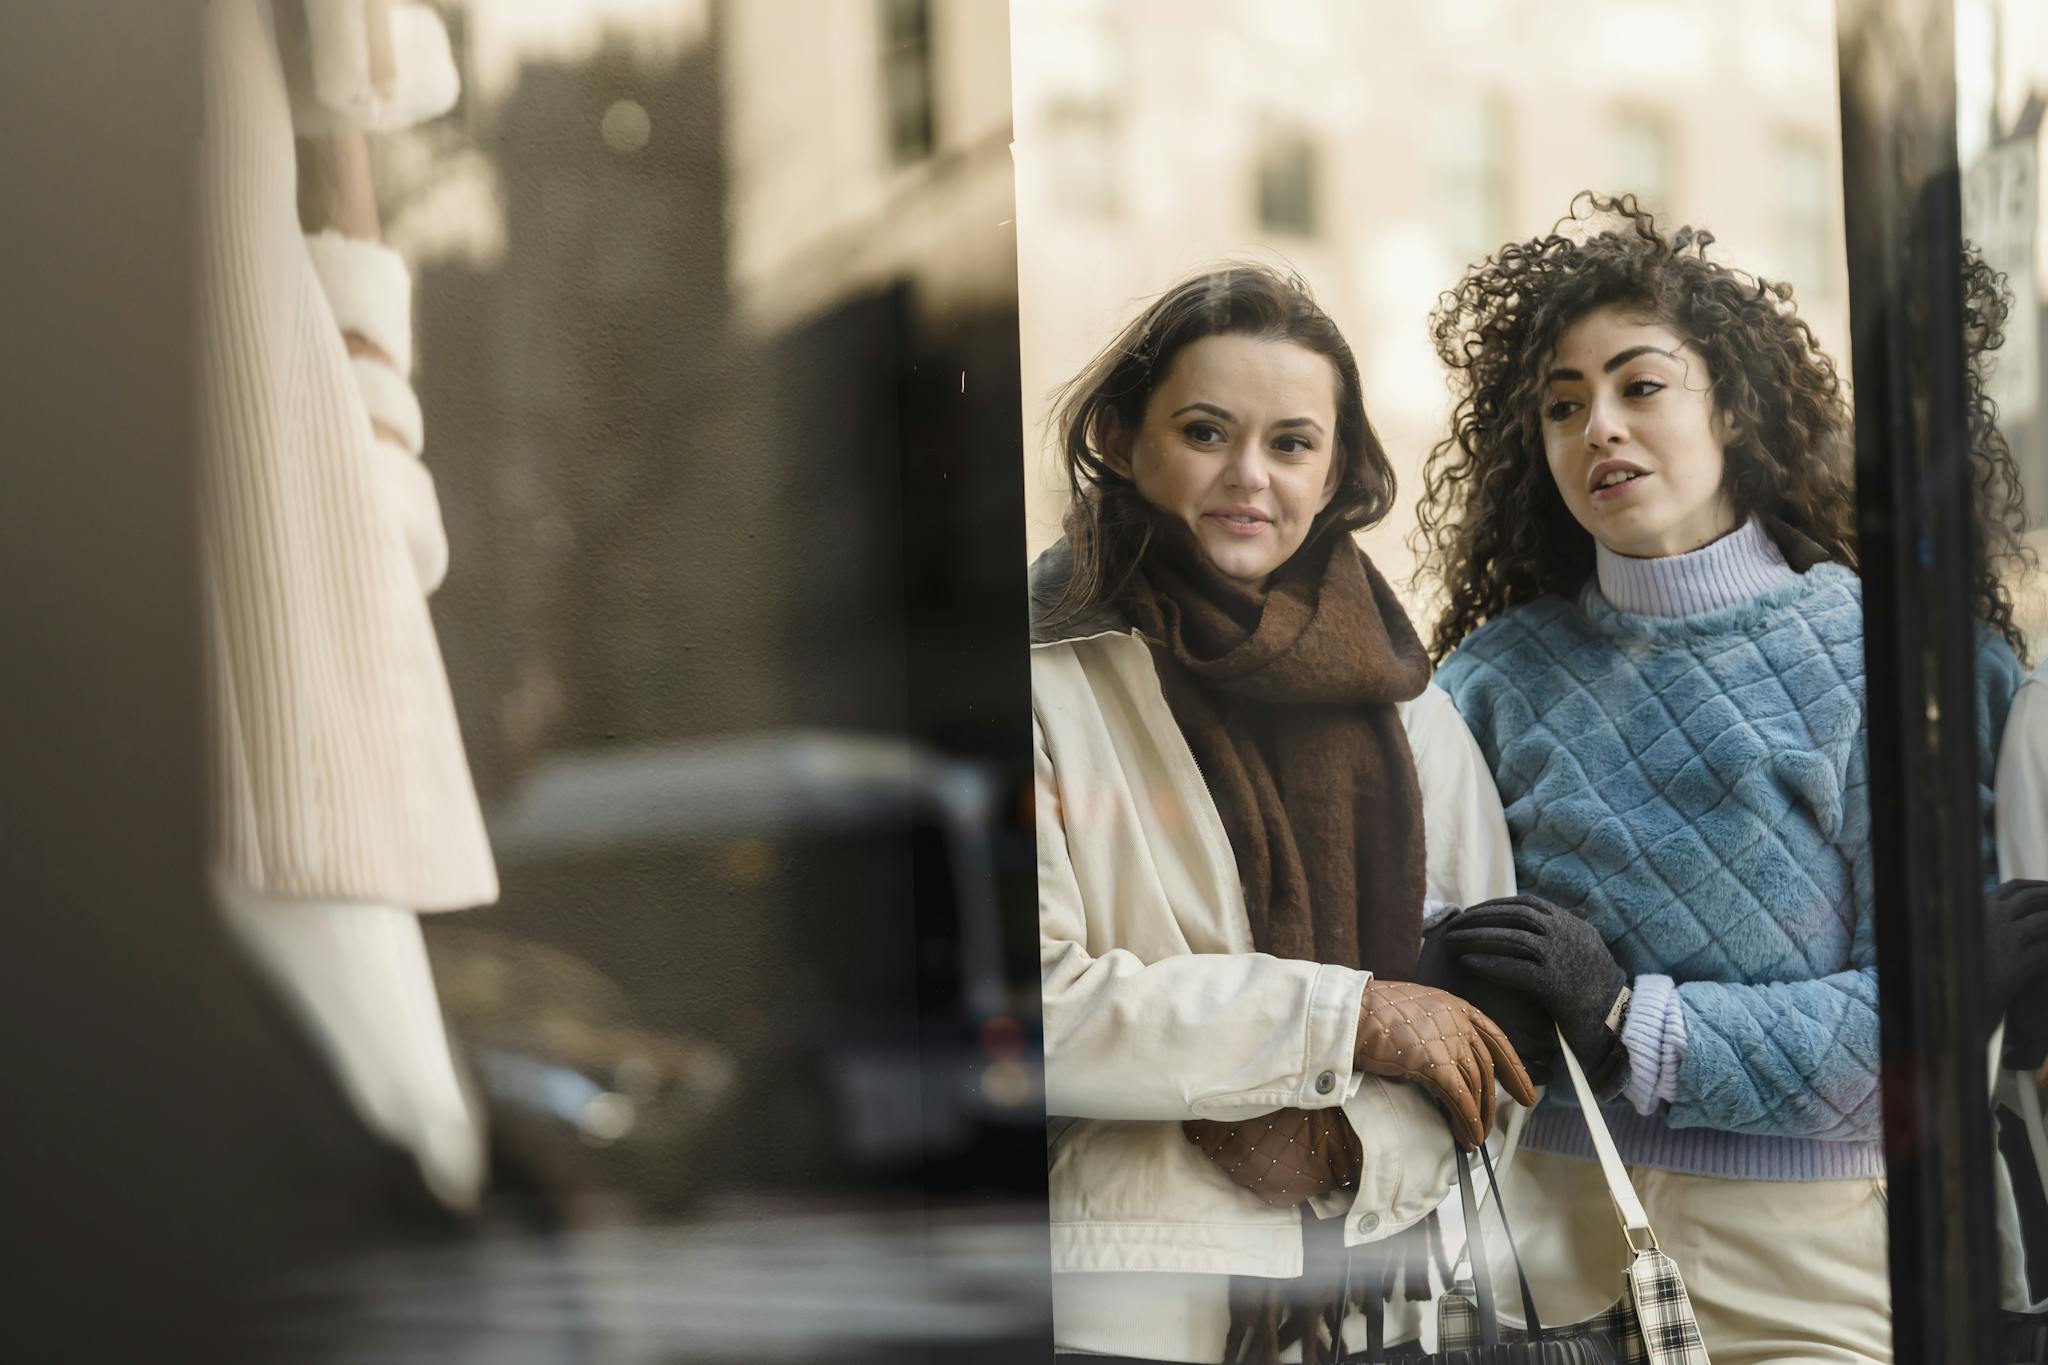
[1326, 1082]
[1369, 1223]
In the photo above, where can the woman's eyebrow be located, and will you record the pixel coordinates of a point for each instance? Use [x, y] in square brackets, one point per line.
[1209, 408]
[1621, 358]
[1300, 422]
[1615, 362]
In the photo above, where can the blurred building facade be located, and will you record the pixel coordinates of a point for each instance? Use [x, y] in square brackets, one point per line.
[716, 307]
[867, 143]
[1379, 148]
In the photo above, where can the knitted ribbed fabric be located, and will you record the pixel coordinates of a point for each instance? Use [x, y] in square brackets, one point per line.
[1740, 565]
[339, 768]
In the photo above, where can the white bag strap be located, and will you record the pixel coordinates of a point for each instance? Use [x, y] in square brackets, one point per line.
[2016, 1091]
[1635, 1223]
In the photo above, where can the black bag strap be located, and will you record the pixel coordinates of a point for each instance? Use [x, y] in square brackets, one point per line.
[1482, 1276]
[1500, 1204]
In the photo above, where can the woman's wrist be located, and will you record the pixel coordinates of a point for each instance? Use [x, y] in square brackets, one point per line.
[1617, 1017]
[1653, 1031]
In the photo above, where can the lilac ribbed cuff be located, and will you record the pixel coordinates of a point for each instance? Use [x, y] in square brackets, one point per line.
[1654, 1034]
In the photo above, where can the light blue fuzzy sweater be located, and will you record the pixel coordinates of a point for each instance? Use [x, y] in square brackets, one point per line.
[1695, 785]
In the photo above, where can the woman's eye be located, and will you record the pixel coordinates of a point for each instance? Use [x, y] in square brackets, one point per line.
[1642, 388]
[1560, 409]
[1293, 445]
[1205, 433]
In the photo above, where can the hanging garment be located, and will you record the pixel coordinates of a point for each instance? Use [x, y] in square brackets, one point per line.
[343, 802]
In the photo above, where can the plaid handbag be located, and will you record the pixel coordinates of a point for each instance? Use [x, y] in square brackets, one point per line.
[1578, 1345]
[1652, 1322]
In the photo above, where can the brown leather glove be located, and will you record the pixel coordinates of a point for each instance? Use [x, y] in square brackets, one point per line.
[1283, 1157]
[1441, 1043]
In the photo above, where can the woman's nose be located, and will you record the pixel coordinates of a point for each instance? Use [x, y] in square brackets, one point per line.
[1604, 426]
[1247, 467]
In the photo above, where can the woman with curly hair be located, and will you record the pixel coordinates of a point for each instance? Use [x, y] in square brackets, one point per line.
[1642, 524]
[2005, 557]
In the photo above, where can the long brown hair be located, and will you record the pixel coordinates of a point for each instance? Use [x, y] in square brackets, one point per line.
[1107, 522]
[1492, 529]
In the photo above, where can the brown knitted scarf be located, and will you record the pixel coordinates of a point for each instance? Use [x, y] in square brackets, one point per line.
[1287, 701]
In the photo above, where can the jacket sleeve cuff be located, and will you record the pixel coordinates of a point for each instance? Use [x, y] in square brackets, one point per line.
[1654, 1034]
[1409, 1162]
[1335, 1000]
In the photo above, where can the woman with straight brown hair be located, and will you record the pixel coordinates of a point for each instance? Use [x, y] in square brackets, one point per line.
[1249, 797]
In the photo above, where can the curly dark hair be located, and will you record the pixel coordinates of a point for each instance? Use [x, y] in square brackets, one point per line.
[1492, 529]
[2003, 554]
[1108, 524]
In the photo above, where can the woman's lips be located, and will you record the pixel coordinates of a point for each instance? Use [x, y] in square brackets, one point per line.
[1228, 522]
[1619, 490]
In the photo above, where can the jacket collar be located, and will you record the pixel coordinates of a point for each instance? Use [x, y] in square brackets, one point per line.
[1050, 574]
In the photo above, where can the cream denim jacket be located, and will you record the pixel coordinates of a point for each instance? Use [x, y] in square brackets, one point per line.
[1156, 1007]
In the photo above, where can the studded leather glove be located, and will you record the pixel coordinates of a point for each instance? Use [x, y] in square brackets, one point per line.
[1283, 1157]
[1410, 1032]
[1529, 945]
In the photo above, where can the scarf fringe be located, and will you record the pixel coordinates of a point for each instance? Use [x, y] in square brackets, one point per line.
[1267, 1316]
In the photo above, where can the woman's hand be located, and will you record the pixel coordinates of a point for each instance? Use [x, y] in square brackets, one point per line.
[1529, 945]
[2016, 970]
[1520, 1016]
[1283, 1157]
[1420, 1034]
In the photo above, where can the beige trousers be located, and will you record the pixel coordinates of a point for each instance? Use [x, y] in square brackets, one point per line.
[1778, 1271]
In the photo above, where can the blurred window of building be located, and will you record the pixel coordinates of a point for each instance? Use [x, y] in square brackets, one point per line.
[907, 85]
[1645, 158]
[1804, 190]
[1080, 117]
[1469, 169]
[1289, 168]
[1082, 136]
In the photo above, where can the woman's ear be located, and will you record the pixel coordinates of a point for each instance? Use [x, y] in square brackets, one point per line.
[1117, 443]
[1331, 480]
[1726, 429]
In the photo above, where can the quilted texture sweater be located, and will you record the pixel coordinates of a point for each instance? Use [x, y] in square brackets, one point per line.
[1696, 786]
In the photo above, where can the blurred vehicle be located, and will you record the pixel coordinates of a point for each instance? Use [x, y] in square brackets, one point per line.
[575, 1087]
[922, 1082]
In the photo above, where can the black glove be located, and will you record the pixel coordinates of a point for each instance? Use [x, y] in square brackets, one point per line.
[1520, 1017]
[2016, 970]
[1556, 958]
